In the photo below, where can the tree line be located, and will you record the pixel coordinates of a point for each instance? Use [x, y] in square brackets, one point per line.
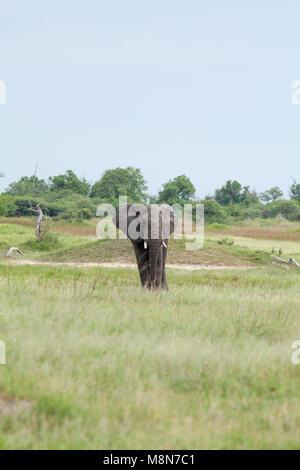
[67, 196]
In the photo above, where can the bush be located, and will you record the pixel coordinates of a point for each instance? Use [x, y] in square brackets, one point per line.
[213, 212]
[3, 209]
[288, 209]
[85, 213]
[234, 210]
[253, 212]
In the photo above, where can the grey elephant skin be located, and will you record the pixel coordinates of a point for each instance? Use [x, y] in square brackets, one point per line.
[149, 228]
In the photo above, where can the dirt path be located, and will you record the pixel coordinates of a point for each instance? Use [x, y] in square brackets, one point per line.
[186, 267]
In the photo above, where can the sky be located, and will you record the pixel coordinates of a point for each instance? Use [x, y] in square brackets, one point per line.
[168, 86]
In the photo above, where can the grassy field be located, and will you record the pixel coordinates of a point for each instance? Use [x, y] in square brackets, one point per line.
[69, 247]
[94, 362]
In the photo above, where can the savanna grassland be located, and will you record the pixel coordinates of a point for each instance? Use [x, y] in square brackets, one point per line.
[94, 362]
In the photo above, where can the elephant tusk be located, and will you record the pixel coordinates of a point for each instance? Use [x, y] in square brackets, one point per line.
[164, 244]
[145, 245]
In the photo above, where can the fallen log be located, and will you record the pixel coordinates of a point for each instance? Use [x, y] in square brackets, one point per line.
[279, 260]
[12, 250]
[283, 261]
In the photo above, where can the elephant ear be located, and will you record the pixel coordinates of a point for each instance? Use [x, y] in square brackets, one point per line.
[119, 220]
[126, 215]
[169, 221]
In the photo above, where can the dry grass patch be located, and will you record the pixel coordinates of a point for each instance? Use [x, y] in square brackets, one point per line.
[10, 405]
[265, 233]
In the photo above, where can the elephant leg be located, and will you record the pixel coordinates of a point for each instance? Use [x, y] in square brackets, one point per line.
[164, 276]
[159, 269]
[142, 258]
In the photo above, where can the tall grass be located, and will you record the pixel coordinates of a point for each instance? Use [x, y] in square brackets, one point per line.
[102, 364]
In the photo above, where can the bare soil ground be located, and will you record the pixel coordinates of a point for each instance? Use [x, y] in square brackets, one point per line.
[121, 251]
[186, 267]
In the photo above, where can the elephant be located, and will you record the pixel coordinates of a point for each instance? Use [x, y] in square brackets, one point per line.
[149, 228]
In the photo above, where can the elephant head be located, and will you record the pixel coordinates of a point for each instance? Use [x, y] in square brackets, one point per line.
[149, 228]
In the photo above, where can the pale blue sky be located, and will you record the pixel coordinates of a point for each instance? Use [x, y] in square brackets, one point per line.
[195, 87]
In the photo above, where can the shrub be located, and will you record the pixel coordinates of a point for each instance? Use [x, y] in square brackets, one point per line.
[3, 209]
[85, 213]
[234, 210]
[213, 212]
[253, 212]
[288, 209]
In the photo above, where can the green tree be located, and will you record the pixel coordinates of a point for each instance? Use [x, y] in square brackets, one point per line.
[28, 185]
[69, 181]
[288, 209]
[249, 197]
[213, 212]
[177, 191]
[295, 191]
[272, 194]
[3, 207]
[121, 182]
[232, 192]
[9, 203]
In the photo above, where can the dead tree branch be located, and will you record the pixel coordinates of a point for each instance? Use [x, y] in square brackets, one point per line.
[283, 261]
[279, 260]
[293, 261]
[12, 250]
[39, 227]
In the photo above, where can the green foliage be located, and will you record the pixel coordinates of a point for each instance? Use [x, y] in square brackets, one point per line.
[23, 204]
[69, 197]
[227, 241]
[69, 181]
[3, 208]
[9, 202]
[254, 211]
[120, 182]
[272, 194]
[234, 210]
[213, 212]
[249, 197]
[230, 193]
[177, 191]
[85, 213]
[66, 205]
[234, 193]
[28, 185]
[71, 205]
[288, 209]
[295, 191]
